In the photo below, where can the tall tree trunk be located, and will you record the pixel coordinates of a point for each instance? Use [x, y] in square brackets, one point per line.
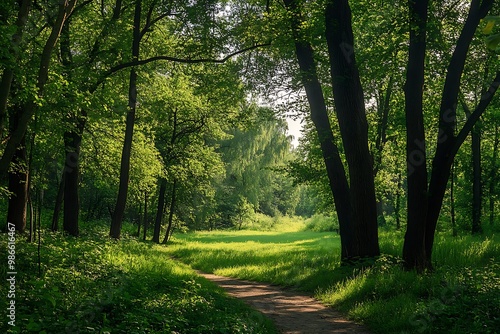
[397, 207]
[319, 115]
[145, 219]
[18, 181]
[350, 108]
[18, 186]
[171, 212]
[116, 223]
[476, 180]
[139, 221]
[8, 73]
[72, 143]
[447, 142]
[65, 9]
[414, 244]
[159, 211]
[493, 175]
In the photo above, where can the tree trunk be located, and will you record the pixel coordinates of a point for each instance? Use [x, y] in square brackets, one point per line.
[447, 143]
[59, 202]
[493, 175]
[171, 212]
[319, 115]
[397, 207]
[414, 244]
[350, 108]
[476, 180]
[18, 181]
[72, 143]
[145, 219]
[116, 223]
[452, 201]
[159, 211]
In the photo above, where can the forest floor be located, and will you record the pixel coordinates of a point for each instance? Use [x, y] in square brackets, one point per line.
[291, 311]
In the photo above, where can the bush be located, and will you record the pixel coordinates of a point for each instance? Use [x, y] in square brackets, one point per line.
[322, 223]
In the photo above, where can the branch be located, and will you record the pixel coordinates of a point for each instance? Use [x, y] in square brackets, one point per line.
[119, 67]
[474, 117]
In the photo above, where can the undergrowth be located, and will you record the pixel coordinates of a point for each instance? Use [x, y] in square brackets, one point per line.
[94, 285]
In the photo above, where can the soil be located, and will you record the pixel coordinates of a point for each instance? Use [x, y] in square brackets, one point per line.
[291, 311]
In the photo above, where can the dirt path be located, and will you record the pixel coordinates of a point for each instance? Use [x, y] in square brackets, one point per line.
[292, 312]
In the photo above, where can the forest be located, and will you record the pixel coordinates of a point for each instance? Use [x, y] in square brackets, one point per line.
[142, 139]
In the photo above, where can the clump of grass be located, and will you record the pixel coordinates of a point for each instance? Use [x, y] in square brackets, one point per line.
[95, 285]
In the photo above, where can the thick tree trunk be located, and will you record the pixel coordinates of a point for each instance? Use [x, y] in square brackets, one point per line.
[350, 108]
[476, 180]
[319, 115]
[159, 211]
[116, 223]
[18, 186]
[171, 212]
[447, 143]
[414, 245]
[72, 142]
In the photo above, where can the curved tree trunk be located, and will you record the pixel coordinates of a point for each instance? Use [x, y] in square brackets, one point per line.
[350, 108]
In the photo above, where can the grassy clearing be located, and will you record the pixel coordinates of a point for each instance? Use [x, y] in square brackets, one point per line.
[461, 296]
[93, 286]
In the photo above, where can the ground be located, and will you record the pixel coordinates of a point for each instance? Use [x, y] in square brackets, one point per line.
[291, 311]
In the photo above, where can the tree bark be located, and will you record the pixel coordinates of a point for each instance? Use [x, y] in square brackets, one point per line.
[493, 175]
[351, 114]
[319, 115]
[452, 201]
[121, 201]
[159, 211]
[447, 143]
[59, 202]
[18, 186]
[145, 219]
[476, 180]
[171, 212]
[72, 143]
[414, 244]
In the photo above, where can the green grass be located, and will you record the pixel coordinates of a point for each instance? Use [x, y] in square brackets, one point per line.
[95, 285]
[461, 296]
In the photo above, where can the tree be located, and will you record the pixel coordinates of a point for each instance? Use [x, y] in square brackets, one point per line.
[354, 200]
[425, 198]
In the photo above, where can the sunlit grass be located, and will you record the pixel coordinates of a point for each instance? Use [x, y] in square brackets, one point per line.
[461, 296]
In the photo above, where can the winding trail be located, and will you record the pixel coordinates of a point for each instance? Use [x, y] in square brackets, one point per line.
[292, 312]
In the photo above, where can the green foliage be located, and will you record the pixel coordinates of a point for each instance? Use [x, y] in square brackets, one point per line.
[94, 285]
[322, 223]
